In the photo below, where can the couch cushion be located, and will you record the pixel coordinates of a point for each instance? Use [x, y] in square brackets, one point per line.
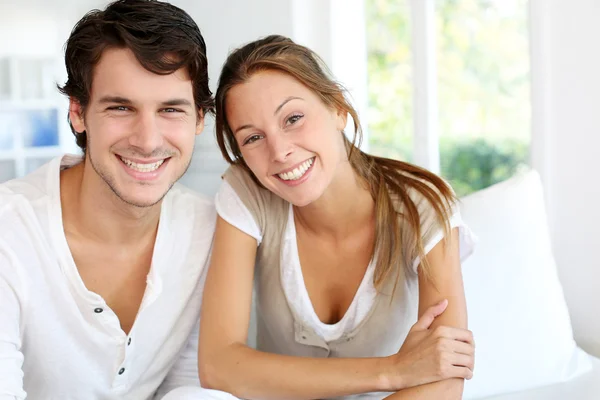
[585, 387]
[516, 307]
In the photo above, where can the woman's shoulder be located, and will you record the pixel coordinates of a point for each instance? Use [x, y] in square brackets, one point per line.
[236, 172]
[244, 183]
[262, 204]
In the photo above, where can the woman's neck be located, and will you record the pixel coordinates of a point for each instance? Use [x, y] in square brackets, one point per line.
[345, 207]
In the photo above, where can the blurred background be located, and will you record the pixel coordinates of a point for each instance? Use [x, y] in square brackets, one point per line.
[472, 89]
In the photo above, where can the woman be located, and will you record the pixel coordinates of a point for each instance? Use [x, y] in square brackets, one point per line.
[345, 248]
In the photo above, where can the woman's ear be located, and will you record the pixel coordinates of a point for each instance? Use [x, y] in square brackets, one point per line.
[341, 119]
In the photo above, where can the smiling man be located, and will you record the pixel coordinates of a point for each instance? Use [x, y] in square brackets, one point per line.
[102, 256]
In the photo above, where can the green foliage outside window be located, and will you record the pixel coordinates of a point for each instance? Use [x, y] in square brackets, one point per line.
[483, 87]
[474, 164]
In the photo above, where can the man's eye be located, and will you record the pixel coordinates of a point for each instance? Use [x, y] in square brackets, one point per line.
[171, 110]
[119, 108]
[252, 139]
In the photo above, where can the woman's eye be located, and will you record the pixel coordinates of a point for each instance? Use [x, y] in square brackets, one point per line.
[294, 118]
[252, 139]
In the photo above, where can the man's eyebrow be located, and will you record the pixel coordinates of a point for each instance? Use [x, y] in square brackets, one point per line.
[176, 102]
[285, 102]
[124, 100]
[114, 99]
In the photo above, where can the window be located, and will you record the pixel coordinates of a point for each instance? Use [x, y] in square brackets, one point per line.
[29, 120]
[469, 100]
[389, 69]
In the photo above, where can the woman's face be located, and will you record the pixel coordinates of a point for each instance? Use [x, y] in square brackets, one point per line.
[288, 137]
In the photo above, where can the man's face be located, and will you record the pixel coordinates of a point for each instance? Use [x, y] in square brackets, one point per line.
[140, 127]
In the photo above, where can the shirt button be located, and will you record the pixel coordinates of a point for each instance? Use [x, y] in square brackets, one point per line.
[98, 310]
[128, 341]
[121, 371]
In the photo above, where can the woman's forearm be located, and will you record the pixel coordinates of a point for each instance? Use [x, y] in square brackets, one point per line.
[449, 389]
[251, 374]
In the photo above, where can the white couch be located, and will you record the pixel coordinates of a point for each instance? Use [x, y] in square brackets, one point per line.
[517, 311]
[584, 387]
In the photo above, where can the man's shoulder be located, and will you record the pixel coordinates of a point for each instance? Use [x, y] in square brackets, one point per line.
[24, 202]
[183, 195]
[30, 187]
[187, 204]
[190, 218]
[18, 194]
[23, 205]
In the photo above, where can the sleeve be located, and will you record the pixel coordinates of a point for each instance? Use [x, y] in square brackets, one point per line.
[182, 382]
[184, 373]
[197, 393]
[432, 231]
[231, 208]
[11, 357]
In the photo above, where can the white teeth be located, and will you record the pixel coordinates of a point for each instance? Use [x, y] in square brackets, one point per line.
[142, 167]
[298, 172]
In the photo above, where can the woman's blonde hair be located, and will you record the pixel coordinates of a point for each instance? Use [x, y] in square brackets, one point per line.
[384, 177]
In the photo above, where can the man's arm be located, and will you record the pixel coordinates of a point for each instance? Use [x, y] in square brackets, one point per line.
[11, 358]
[445, 283]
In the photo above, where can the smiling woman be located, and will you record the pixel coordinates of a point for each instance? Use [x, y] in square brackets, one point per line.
[278, 137]
[347, 250]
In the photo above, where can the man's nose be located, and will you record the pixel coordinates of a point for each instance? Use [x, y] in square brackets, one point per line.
[146, 135]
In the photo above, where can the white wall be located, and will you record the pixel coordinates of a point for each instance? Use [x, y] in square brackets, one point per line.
[567, 132]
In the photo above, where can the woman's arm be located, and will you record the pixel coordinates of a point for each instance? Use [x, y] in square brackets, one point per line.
[445, 283]
[226, 363]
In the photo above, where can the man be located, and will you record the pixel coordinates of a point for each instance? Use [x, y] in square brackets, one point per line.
[102, 258]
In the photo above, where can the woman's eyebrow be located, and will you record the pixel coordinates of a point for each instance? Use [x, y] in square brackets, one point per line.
[287, 100]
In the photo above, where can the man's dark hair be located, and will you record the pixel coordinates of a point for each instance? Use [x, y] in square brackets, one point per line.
[163, 38]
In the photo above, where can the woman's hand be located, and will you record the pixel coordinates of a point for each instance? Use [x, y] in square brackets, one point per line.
[431, 355]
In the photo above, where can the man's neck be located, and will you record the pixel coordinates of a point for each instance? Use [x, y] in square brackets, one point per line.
[91, 210]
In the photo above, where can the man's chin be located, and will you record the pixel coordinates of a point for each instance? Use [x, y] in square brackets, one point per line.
[143, 196]
[141, 203]
[137, 199]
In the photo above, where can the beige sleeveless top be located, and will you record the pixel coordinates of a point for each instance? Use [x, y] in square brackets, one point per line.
[280, 330]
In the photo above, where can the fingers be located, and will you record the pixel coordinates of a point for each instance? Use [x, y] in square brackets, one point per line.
[461, 360]
[462, 335]
[462, 348]
[430, 315]
[461, 372]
